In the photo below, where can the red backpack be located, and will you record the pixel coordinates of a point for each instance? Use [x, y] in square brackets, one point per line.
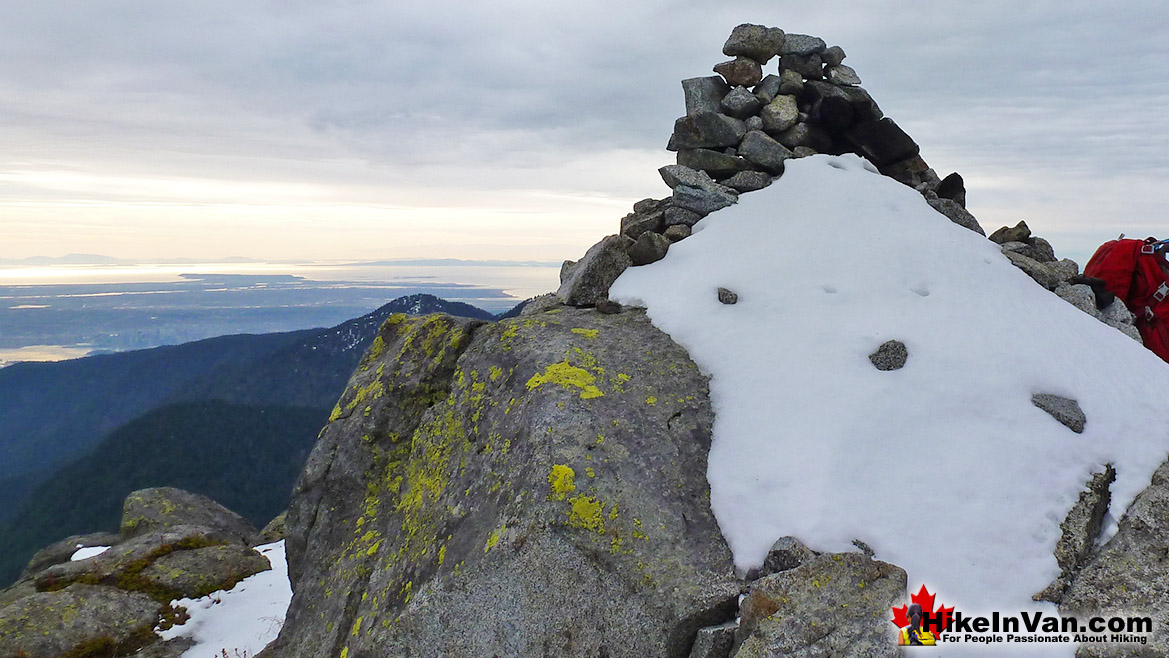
[1131, 269]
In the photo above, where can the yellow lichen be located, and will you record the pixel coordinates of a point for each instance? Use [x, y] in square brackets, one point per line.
[562, 481]
[651, 400]
[495, 372]
[590, 472]
[494, 538]
[587, 333]
[568, 376]
[588, 513]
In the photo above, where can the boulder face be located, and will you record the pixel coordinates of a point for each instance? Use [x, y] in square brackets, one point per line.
[527, 488]
[149, 510]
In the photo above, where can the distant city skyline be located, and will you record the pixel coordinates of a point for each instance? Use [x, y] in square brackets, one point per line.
[524, 131]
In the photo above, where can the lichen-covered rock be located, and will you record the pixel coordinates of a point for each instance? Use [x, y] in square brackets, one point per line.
[1129, 575]
[741, 103]
[707, 130]
[675, 175]
[274, 531]
[538, 488]
[842, 74]
[1018, 233]
[1039, 272]
[740, 71]
[63, 550]
[762, 150]
[717, 164]
[780, 114]
[195, 573]
[152, 510]
[835, 604]
[956, 213]
[703, 201]
[704, 94]
[588, 281]
[78, 619]
[677, 232]
[649, 248]
[758, 42]
[802, 44]
[748, 181]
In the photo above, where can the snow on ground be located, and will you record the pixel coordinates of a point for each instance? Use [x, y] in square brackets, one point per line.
[944, 467]
[242, 620]
[86, 552]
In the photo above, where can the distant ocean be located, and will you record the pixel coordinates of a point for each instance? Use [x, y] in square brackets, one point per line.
[58, 311]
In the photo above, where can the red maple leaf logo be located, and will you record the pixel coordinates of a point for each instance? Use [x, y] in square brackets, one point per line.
[926, 600]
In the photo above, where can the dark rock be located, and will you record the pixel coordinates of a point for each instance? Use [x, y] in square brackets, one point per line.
[957, 214]
[704, 94]
[714, 641]
[749, 181]
[1129, 573]
[802, 44]
[842, 75]
[196, 573]
[740, 103]
[649, 248]
[1029, 251]
[491, 476]
[767, 88]
[677, 232]
[802, 134]
[785, 554]
[726, 296]
[566, 270]
[648, 205]
[608, 306]
[63, 550]
[753, 123]
[881, 142]
[634, 225]
[702, 201]
[1065, 410]
[803, 152]
[913, 172]
[675, 175]
[808, 66]
[153, 510]
[780, 114]
[833, 56]
[1019, 233]
[681, 217]
[77, 619]
[707, 130]
[274, 531]
[952, 187]
[834, 112]
[821, 609]
[891, 355]
[740, 71]
[1041, 273]
[758, 42]
[762, 150]
[791, 83]
[589, 280]
[1044, 253]
[718, 165]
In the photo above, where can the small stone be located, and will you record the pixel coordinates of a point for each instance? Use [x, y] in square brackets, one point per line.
[803, 151]
[762, 150]
[952, 187]
[803, 134]
[957, 214]
[1042, 274]
[740, 71]
[791, 83]
[701, 201]
[1044, 253]
[808, 66]
[726, 296]
[780, 114]
[842, 75]
[1079, 295]
[634, 224]
[1067, 269]
[758, 42]
[681, 217]
[704, 94]
[741, 103]
[718, 165]
[677, 232]
[714, 641]
[1019, 233]
[646, 206]
[767, 88]
[891, 355]
[754, 123]
[649, 248]
[707, 130]
[1065, 410]
[748, 181]
[607, 306]
[675, 175]
[802, 44]
[832, 56]
[785, 554]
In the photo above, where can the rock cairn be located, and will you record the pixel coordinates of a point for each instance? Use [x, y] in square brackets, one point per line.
[743, 124]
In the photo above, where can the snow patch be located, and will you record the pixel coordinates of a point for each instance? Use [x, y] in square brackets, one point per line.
[944, 467]
[86, 552]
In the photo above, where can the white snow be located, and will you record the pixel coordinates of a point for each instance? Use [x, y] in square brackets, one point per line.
[86, 552]
[240, 621]
[944, 467]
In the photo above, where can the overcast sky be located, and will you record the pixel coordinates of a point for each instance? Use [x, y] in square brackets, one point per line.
[521, 129]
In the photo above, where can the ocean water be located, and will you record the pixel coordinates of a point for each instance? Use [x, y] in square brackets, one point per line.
[66, 311]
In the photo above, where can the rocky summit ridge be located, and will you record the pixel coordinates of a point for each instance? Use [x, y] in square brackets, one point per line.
[537, 486]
